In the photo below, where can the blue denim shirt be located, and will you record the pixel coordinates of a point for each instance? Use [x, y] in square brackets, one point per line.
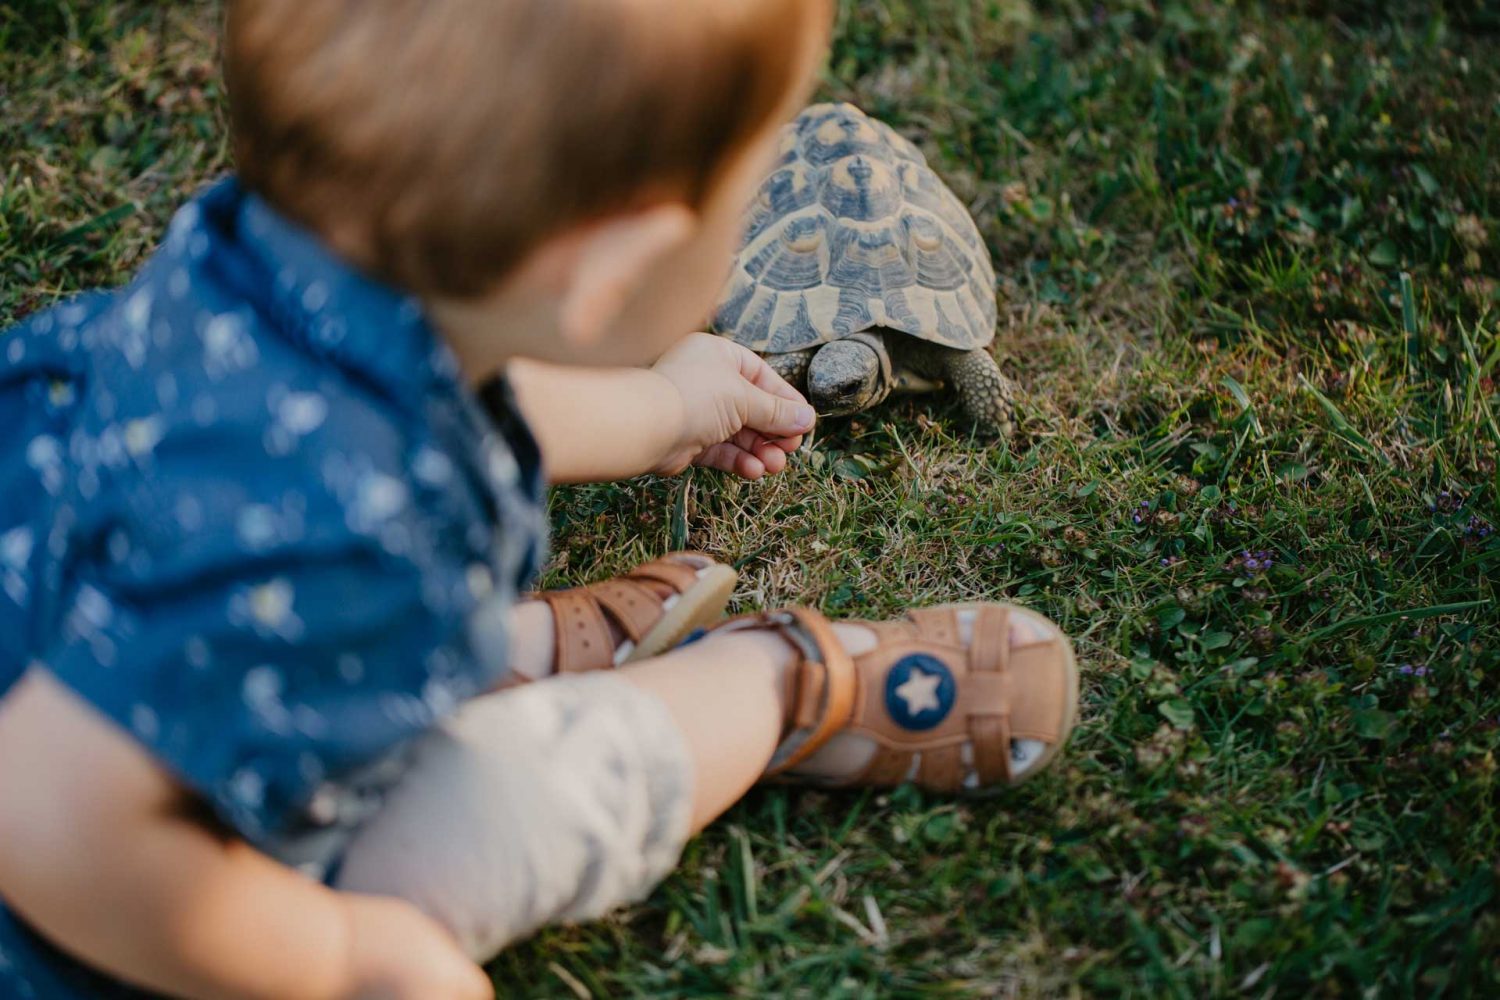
[250, 514]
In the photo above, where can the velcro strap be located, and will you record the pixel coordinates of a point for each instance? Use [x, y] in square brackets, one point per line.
[582, 635]
[990, 736]
[677, 575]
[827, 706]
[987, 694]
[635, 607]
[989, 643]
[807, 690]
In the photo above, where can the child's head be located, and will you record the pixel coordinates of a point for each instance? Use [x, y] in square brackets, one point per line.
[569, 173]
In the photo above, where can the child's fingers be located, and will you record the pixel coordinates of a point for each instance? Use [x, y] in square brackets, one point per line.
[749, 455]
[773, 416]
[767, 379]
[761, 375]
[747, 466]
[790, 444]
[731, 458]
[755, 443]
[772, 457]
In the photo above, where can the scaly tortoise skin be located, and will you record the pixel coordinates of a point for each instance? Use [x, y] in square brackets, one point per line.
[861, 274]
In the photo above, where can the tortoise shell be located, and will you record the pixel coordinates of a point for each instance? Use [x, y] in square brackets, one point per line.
[852, 230]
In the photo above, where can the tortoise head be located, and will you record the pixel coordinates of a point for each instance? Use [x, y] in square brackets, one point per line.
[849, 375]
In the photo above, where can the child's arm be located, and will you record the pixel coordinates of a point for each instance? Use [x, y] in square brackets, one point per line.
[708, 401]
[99, 852]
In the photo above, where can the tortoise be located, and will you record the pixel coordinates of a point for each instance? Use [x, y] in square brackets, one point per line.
[861, 274]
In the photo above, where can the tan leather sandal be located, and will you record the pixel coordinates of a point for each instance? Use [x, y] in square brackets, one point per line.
[644, 613]
[948, 715]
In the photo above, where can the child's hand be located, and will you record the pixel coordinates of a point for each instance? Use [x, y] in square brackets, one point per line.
[399, 953]
[738, 415]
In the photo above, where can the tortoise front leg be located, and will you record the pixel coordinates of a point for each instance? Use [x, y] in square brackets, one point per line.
[792, 366]
[986, 394]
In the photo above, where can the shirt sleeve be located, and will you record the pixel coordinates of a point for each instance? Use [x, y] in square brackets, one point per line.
[266, 634]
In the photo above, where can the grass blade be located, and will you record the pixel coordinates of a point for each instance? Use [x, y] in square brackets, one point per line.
[1341, 425]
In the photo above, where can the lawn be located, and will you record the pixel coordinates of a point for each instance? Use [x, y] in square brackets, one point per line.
[1249, 257]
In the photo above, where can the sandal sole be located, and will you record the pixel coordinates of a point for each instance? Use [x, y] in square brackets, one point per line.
[700, 606]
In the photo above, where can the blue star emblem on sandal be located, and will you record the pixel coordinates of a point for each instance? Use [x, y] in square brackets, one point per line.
[919, 692]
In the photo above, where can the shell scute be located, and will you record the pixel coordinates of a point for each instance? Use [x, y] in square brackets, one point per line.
[871, 263]
[853, 230]
[853, 313]
[797, 331]
[862, 189]
[794, 261]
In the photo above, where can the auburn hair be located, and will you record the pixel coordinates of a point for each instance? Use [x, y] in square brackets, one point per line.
[453, 136]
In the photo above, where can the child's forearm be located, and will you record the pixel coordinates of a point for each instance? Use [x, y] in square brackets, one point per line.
[595, 425]
[97, 855]
[173, 910]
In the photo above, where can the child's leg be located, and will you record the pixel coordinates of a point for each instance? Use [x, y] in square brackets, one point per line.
[561, 800]
[531, 644]
[726, 701]
[728, 753]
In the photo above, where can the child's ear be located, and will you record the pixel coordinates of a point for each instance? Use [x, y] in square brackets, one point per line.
[610, 259]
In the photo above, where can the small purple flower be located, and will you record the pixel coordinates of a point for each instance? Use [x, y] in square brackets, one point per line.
[1405, 670]
[1420, 671]
[1447, 502]
[1249, 563]
[1171, 561]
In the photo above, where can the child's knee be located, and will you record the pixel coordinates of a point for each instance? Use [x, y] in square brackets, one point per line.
[555, 802]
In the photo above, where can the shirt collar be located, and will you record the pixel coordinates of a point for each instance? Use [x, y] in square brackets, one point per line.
[377, 333]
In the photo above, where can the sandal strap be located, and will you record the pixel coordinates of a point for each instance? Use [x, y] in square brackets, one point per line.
[635, 608]
[989, 661]
[674, 572]
[821, 685]
[581, 615]
[581, 635]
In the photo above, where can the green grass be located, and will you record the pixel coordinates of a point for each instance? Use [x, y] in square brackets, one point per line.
[1249, 256]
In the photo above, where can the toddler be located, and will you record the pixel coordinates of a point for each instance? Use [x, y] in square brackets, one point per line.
[275, 718]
